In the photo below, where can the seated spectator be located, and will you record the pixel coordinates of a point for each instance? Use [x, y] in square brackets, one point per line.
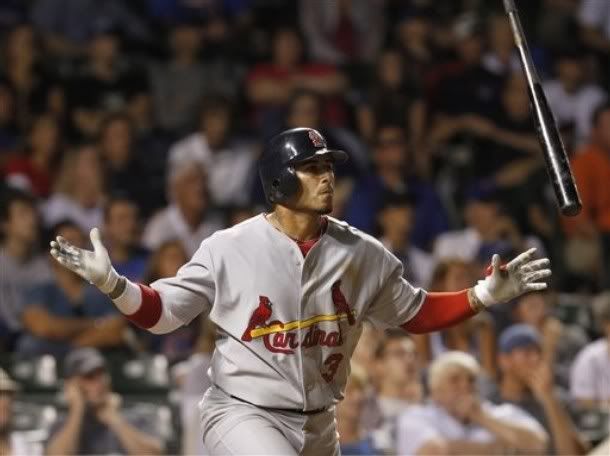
[393, 99]
[396, 219]
[229, 161]
[35, 170]
[95, 422]
[349, 415]
[104, 83]
[343, 31]
[270, 85]
[458, 421]
[68, 312]
[393, 171]
[488, 230]
[571, 96]
[399, 386]
[21, 262]
[590, 374]
[560, 342]
[502, 57]
[121, 161]
[9, 131]
[121, 236]
[187, 217]
[594, 20]
[526, 381]
[476, 336]
[178, 85]
[591, 167]
[12, 442]
[165, 262]
[79, 191]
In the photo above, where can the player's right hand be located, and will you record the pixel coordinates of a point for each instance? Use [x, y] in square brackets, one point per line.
[93, 266]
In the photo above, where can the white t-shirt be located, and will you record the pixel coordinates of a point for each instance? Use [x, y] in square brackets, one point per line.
[595, 13]
[422, 423]
[590, 374]
[574, 108]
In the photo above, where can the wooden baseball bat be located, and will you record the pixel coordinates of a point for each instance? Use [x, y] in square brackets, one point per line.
[557, 164]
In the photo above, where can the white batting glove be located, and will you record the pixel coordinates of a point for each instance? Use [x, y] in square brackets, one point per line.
[94, 267]
[521, 275]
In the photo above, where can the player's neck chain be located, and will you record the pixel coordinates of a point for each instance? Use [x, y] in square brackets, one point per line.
[275, 223]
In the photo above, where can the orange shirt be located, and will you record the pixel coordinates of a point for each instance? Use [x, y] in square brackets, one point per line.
[591, 168]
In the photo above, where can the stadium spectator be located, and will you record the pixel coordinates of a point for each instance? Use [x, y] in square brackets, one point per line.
[35, 170]
[344, 31]
[9, 130]
[104, 83]
[165, 261]
[590, 375]
[121, 159]
[178, 85]
[396, 220]
[349, 415]
[79, 190]
[23, 70]
[67, 312]
[399, 385]
[594, 17]
[526, 381]
[458, 421]
[571, 96]
[560, 342]
[229, 162]
[270, 85]
[393, 171]
[95, 422]
[393, 99]
[21, 263]
[414, 37]
[476, 336]
[121, 235]
[591, 167]
[188, 216]
[501, 58]
[12, 442]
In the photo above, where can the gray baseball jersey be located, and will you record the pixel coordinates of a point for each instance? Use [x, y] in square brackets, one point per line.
[288, 325]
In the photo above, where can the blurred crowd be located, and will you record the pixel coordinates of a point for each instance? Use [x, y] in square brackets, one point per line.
[145, 118]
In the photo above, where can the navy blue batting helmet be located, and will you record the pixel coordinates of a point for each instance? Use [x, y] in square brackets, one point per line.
[284, 151]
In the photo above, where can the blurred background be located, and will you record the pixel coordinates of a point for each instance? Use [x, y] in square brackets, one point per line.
[146, 117]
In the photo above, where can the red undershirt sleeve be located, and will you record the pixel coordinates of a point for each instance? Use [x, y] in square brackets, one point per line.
[439, 311]
[149, 312]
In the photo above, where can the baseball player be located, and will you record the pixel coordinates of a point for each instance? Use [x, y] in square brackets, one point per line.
[289, 291]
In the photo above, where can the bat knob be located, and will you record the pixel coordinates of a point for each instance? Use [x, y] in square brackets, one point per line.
[571, 208]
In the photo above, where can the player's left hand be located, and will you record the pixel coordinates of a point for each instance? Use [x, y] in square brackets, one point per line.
[521, 275]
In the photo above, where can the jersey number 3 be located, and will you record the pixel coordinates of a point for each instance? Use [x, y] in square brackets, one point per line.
[332, 364]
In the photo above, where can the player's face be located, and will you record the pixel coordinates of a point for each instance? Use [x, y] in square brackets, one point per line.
[317, 178]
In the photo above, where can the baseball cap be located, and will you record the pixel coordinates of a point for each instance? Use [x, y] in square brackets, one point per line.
[83, 361]
[519, 336]
[6, 384]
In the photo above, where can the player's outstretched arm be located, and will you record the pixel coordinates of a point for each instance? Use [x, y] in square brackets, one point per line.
[139, 303]
[502, 284]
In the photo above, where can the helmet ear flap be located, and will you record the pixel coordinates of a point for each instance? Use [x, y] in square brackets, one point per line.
[285, 185]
